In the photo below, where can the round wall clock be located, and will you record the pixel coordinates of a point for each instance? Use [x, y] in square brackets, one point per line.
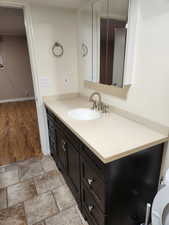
[57, 49]
[84, 50]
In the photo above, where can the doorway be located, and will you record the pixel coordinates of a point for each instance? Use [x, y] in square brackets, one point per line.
[19, 131]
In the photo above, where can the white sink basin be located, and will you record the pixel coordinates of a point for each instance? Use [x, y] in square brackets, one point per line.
[84, 114]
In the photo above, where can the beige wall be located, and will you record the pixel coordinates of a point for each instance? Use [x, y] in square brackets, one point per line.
[51, 25]
[15, 77]
[149, 94]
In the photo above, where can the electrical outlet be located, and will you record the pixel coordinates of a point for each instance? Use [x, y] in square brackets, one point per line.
[67, 81]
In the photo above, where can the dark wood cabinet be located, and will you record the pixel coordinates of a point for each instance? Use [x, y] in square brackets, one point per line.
[90, 209]
[65, 150]
[90, 178]
[62, 152]
[52, 134]
[115, 193]
[73, 172]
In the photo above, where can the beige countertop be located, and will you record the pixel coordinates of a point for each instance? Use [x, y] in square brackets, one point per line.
[110, 137]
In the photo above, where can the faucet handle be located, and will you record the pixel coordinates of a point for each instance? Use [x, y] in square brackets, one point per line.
[100, 106]
[105, 108]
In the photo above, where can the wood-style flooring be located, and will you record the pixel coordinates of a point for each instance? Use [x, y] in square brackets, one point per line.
[19, 133]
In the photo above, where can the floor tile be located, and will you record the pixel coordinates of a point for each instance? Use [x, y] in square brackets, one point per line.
[67, 217]
[2, 169]
[64, 197]
[3, 198]
[62, 179]
[8, 178]
[47, 182]
[84, 222]
[29, 169]
[20, 192]
[11, 167]
[40, 223]
[48, 163]
[13, 216]
[40, 207]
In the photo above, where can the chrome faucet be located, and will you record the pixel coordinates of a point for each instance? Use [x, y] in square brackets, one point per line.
[96, 104]
[99, 105]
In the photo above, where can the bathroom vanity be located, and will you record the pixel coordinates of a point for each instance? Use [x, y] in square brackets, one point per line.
[110, 189]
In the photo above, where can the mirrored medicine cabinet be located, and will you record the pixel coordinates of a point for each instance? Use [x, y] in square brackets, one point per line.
[106, 43]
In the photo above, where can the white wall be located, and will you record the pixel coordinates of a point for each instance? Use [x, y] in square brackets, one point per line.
[85, 37]
[149, 94]
[51, 25]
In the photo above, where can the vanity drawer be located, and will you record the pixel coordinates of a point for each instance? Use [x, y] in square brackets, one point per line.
[93, 182]
[91, 211]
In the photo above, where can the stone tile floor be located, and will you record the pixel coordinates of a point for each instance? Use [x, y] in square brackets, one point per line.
[33, 192]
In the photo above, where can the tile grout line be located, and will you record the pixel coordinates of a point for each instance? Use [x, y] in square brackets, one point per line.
[44, 220]
[55, 202]
[42, 166]
[50, 190]
[19, 179]
[6, 197]
[80, 215]
[18, 162]
[25, 213]
[23, 204]
[56, 168]
[10, 184]
[17, 204]
[41, 173]
[27, 179]
[35, 186]
[36, 194]
[21, 182]
[60, 211]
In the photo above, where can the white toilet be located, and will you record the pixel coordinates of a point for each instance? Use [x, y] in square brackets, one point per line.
[160, 207]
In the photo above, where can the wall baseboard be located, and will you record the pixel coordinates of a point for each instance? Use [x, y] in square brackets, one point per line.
[17, 100]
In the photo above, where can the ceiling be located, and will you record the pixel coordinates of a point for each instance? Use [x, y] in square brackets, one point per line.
[11, 21]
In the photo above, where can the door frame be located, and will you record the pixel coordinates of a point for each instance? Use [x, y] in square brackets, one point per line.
[42, 120]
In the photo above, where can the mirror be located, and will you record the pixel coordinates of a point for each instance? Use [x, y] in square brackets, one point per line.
[104, 28]
[109, 41]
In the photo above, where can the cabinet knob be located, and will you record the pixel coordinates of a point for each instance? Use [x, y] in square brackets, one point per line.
[90, 208]
[90, 181]
[64, 146]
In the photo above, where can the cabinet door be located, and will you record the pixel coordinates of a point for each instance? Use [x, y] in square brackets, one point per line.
[52, 137]
[62, 152]
[73, 169]
[52, 144]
